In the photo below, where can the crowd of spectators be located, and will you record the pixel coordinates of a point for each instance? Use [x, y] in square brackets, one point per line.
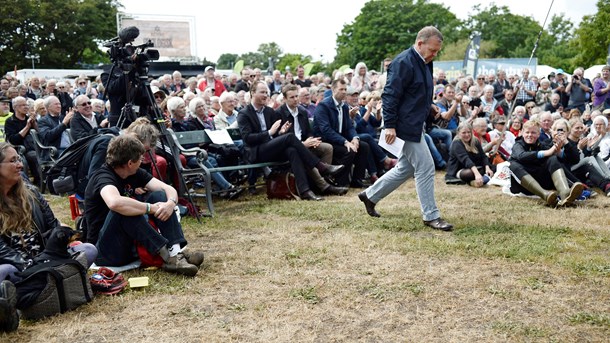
[551, 130]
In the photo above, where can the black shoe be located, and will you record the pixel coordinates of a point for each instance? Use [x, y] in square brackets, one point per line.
[439, 224]
[9, 318]
[368, 204]
[309, 195]
[331, 170]
[332, 190]
[357, 184]
[234, 192]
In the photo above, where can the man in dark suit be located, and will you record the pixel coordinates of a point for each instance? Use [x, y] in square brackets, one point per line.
[85, 122]
[267, 140]
[296, 115]
[333, 124]
[52, 127]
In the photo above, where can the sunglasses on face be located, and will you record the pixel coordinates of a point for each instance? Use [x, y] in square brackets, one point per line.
[529, 107]
[85, 103]
[82, 83]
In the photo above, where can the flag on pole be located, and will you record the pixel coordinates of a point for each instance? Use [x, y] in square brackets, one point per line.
[471, 58]
[15, 71]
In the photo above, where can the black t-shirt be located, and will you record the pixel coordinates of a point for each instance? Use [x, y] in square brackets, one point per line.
[96, 209]
[303, 83]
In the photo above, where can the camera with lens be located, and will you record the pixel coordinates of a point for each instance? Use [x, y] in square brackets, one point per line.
[128, 56]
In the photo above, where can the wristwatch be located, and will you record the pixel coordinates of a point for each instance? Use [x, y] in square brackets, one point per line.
[174, 200]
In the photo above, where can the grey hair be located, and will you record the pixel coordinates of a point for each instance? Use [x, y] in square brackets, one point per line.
[173, 103]
[47, 101]
[427, 33]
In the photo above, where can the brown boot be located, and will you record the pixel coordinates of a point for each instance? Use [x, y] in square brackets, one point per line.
[179, 265]
[193, 257]
[567, 194]
[528, 182]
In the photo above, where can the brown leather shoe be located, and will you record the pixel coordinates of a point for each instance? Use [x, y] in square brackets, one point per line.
[439, 224]
[368, 204]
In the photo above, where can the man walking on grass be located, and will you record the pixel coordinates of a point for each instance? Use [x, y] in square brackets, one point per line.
[407, 101]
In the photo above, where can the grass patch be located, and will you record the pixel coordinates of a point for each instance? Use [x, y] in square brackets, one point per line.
[596, 319]
[308, 294]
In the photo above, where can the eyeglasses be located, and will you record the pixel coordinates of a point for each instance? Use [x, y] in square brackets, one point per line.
[14, 161]
[480, 78]
[501, 123]
[158, 96]
[252, 76]
[529, 107]
[82, 83]
[85, 103]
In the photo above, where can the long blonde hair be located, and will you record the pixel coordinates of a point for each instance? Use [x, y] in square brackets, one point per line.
[470, 146]
[16, 206]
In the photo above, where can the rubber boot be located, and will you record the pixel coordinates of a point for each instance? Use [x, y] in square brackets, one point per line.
[528, 182]
[9, 317]
[567, 194]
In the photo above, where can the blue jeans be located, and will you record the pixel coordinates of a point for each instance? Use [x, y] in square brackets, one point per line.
[115, 244]
[436, 156]
[211, 162]
[443, 135]
[415, 161]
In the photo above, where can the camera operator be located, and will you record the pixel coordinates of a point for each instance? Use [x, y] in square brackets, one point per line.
[119, 86]
[579, 89]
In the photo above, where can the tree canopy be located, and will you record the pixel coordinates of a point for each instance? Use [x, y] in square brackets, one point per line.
[591, 39]
[386, 27]
[62, 32]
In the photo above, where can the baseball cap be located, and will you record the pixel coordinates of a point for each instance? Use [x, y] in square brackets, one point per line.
[348, 71]
[4, 99]
[208, 68]
[351, 90]
[560, 71]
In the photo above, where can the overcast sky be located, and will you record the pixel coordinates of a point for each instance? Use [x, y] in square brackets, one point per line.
[307, 27]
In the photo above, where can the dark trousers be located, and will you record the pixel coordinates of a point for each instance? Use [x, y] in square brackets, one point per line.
[115, 244]
[289, 147]
[358, 160]
[540, 172]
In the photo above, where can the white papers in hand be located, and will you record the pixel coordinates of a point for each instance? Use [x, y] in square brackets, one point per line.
[394, 148]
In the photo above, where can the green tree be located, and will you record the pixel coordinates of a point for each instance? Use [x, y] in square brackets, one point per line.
[591, 39]
[63, 33]
[453, 51]
[226, 61]
[292, 61]
[513, 35]
[386, 27]
[554, 48]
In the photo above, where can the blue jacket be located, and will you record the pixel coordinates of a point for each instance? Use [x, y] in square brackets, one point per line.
[407, 96]
[326, 122]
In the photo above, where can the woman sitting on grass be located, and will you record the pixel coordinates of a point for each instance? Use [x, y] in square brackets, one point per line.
[467, 161]
[595, 173]
[537, 166]
[26, 220]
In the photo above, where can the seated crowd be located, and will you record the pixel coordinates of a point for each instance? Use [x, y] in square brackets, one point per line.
[552, 131]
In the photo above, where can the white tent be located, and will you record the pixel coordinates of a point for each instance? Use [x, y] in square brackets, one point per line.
[543, 70]
[591, 72]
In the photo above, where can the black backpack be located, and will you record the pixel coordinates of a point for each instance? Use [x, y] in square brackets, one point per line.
[53, 287]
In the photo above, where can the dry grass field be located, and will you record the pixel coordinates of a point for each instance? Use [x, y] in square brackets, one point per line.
[287, 271]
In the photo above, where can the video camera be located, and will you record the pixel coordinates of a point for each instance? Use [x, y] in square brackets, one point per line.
[128, 56]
